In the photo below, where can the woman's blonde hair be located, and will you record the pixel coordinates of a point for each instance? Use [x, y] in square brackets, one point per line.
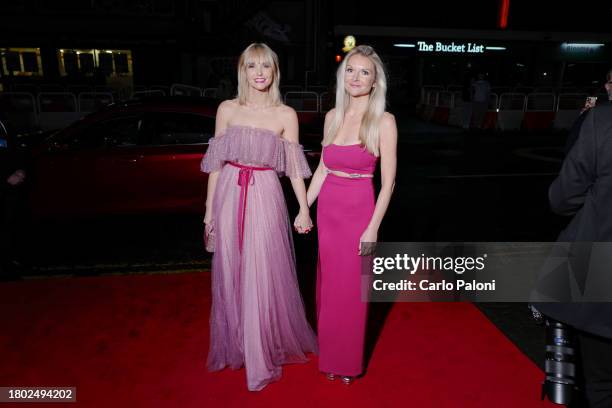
[262, 53]
[369, 129]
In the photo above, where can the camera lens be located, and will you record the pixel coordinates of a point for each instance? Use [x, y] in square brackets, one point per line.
[560, 368]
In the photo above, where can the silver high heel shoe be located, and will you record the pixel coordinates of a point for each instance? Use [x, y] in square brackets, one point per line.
[330, 376]
[347, 380]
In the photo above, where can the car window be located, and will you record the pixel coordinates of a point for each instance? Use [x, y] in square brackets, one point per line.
[3, 135]
[182, 129]
[116, 132]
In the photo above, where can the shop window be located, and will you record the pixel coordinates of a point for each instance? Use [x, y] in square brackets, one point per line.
[20, 61]
[88, 62]
[121, 63]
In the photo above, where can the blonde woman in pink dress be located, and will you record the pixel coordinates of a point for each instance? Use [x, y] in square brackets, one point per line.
[357, 134]
[257, 317]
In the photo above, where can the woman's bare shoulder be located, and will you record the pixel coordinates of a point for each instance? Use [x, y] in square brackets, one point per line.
[285, 110]
[388, 117]
[286, 115]
[228, 105]
[388, 122]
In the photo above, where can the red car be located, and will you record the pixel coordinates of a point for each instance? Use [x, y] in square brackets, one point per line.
[131, 157]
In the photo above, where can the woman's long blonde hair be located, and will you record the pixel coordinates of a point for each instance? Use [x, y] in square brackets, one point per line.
[258, 52]
[369, 129]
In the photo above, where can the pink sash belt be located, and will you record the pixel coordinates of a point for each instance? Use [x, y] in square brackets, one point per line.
[245, 178]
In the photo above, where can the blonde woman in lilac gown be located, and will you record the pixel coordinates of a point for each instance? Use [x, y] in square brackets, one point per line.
[257, 317]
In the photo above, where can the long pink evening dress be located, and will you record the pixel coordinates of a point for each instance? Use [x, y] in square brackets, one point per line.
[345, 207]
[257, 318]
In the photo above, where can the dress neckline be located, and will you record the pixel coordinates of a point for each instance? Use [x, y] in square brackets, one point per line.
[348, 145]
[275, 133]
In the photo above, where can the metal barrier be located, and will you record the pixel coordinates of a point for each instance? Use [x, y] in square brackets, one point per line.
[567, 109]
[455, 114]
[162, 88]
[571, 101]
[445, 99]
[316, 88]
[457, 99]
[92, 101]
[512, 101]
[540, 102]
[290, 88]
[20, 110]
[185, 90]
[539, 111]
[441, 111]
[149, 92]
[511, 111]
[78, 89]
[210, 92]
[493, 102]
[326, 101]
[431, 101]
[490, 118]
[302, 101]
[57, 110]
[425, 89]
[432, 98]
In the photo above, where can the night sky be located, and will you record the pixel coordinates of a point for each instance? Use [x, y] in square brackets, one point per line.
[536, 15]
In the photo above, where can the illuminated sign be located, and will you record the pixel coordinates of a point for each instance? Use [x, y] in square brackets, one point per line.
[581, 48]
[450, 48]
[471, 48]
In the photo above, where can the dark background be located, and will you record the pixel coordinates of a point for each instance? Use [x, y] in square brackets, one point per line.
[451, 186]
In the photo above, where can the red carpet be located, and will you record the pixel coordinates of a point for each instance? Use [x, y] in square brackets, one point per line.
[141, 341]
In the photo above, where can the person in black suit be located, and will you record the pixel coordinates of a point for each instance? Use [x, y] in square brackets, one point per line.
[583, 190]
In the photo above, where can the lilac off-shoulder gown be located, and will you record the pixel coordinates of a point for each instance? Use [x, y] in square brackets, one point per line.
[257, 318]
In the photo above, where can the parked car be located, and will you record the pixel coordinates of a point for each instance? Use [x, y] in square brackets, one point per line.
[3, 134]
[140, 156]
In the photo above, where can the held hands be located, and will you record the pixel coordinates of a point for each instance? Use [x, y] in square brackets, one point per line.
[367, 242]
[303, 223]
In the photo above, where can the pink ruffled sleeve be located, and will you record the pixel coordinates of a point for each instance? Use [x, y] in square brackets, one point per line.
[258, 147]
[214, 158]
[294, 163]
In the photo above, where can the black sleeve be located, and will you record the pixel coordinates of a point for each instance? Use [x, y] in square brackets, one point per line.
[578, 172]
[574, 132]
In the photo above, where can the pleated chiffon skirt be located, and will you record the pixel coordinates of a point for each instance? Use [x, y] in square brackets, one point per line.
[257, 318]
